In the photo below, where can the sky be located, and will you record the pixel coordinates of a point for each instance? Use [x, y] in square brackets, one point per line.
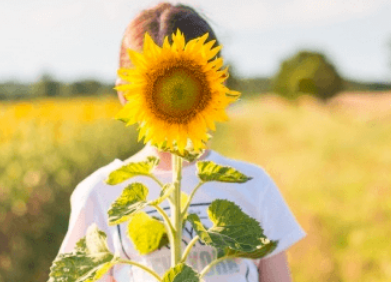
[79, 39]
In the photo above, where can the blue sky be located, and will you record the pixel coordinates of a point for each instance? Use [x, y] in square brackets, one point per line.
[80, 39]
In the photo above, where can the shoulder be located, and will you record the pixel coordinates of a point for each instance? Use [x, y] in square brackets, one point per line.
[255, 171]
[93, 183]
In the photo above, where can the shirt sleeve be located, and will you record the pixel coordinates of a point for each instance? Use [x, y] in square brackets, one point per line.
[277, 220]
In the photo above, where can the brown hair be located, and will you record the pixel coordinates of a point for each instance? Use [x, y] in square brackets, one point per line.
[161, 21]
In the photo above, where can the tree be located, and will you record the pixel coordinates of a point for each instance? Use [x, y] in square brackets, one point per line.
[85, 87]
[308, 73]
[46, 86]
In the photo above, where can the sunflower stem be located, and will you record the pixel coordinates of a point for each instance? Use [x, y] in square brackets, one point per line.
[188, 248]
[167, 220]
[213, 263]
[176, 217]
[191, 198]
[156, 180]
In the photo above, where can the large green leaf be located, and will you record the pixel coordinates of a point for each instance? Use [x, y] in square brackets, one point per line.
[90, 260]
[132, 199]
[69, 267]
[229, 220]
[181, 273]
[132, 170]
[210, 171]
[147, 233]
[233, 231]
[200, 229]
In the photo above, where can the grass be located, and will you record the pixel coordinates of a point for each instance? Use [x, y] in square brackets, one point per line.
[331, 161]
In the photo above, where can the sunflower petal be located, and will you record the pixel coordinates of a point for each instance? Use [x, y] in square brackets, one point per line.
[213, 52]
[179, 40]
[166, 43]
[137, 59]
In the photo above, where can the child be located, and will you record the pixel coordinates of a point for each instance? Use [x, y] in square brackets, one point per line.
[259, 198]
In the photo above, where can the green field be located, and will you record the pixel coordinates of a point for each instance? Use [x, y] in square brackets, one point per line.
[331, 161]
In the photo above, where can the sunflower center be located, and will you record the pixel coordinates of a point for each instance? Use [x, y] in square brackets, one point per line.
[179, 93]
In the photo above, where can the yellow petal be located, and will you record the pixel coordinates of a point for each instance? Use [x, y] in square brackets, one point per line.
[124, 87]
[179, 40]
[200, 42]
[137, 59]
[209, 45]
[166, 44]
[190, 45]
[212, 53]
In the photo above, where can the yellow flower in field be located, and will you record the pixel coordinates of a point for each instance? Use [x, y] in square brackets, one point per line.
[175, 92]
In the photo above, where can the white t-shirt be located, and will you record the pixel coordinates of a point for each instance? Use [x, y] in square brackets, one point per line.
[259, 198]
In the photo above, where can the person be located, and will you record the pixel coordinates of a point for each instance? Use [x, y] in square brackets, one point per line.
[259, 198]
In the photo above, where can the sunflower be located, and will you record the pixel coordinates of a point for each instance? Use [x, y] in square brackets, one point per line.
[175, 92]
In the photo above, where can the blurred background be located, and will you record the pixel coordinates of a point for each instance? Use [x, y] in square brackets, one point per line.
[315, 113]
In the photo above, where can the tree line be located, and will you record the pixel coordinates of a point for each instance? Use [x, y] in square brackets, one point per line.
[47, 86]
[304, 73]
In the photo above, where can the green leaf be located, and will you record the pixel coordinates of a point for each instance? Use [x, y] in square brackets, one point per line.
[200, 229]
[233, 231]
[96, 241]
[90, 260]
[164, 194]
[231, 222]
[69, 267]
[132, 170]
[147, 233]
[81, 245]
[132, 200]
[97, 272]
[181, 273]
[210, 171]
[267, 248]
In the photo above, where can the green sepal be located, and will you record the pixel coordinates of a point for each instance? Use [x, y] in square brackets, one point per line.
[188, 154]
[181, 273]
[132, 199]
[233, 232]
[90, 260]
[147, 233]
[210, 171]
[131, 170]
